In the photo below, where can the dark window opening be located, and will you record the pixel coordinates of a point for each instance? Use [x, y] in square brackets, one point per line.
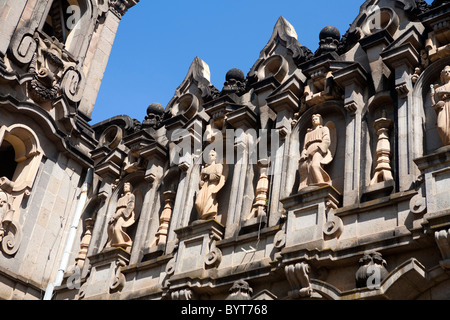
[8, 164]
[56, 24]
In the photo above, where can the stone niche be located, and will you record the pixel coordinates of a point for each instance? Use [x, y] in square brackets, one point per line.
[379, 148]
[331, 112]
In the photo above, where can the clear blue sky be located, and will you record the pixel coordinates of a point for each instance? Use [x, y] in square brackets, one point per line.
[158, 40]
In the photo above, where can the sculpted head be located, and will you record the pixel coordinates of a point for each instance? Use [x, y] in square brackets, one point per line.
[3, 199]
[127, 187]
[445, 75]
[317, 120]
[212, 156]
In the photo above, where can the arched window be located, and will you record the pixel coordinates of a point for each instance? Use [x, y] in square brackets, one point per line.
[8, 163]
[65, 21]
[21, 153]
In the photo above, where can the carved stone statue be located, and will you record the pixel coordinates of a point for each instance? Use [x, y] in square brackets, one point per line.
[123, 218]
[318, 150]
[213, 178]
[440, 98]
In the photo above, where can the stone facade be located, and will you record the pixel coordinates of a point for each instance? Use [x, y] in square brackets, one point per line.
[329, 178]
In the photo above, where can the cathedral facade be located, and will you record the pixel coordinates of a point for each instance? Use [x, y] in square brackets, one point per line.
[318, 175]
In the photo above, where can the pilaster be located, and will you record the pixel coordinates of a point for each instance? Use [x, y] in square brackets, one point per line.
[285, 102]
[403, 60]
[186, 151]
[352, 80]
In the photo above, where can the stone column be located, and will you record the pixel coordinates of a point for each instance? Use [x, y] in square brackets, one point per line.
[403, 61]
[156, 156]
[238, 184]
[242, 120]
[189, 180]
[352, 80]
[285, 103]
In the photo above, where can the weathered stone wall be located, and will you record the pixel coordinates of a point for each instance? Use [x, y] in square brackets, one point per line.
[329, 178]
[371, 223]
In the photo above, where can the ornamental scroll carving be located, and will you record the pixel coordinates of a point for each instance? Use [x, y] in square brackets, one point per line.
[10, 231]
[52, 70]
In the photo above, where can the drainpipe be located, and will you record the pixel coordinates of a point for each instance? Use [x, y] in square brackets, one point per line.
[70, 240]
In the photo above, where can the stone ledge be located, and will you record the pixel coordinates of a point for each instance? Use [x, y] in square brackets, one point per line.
[377, 203]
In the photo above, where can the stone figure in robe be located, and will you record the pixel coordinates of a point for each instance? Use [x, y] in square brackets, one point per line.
[317, 151]
[440, 97]
[213, 178]
[123, 218]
